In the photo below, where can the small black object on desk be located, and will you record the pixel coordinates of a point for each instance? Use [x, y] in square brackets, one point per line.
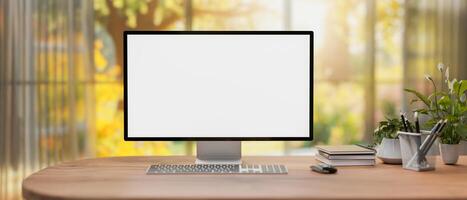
[323, 168]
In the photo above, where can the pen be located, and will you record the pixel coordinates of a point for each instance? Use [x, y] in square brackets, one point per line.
[403, 122]
[417, 124]
[429, 140]
[423, 149]
[409, 125]
[432, 132]
[433, 139]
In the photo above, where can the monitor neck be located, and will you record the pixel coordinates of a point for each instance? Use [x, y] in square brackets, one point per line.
[218, 152]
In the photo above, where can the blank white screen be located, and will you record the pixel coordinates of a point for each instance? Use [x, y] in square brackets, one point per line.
[218, 86]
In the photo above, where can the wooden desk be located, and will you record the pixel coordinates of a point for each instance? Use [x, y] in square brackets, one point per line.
[124, 178]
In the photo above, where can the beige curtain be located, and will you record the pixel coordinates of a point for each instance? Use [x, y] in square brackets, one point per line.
[435, 31]
[46, 93]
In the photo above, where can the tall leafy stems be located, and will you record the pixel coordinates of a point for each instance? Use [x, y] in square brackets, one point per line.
[447, 104]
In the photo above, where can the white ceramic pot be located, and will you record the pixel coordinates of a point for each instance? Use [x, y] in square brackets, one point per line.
[389, 151]
[449, 153]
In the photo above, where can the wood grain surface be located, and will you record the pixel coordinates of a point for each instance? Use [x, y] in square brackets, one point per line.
[125, 178]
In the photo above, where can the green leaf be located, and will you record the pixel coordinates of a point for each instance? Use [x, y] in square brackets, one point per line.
[422, 97]
[460, 86]
[387, 129]
[439, 93]
[463, 109]
[444, 101]
[422, 111]
[462, 130]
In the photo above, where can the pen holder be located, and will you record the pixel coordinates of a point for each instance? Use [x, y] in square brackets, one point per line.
[411, 156]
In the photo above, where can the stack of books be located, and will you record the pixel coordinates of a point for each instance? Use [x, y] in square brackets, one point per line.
[345, 155]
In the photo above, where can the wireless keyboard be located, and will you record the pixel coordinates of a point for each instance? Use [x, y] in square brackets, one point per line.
[217, 169]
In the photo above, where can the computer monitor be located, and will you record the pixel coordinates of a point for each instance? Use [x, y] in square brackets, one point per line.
[222, 86]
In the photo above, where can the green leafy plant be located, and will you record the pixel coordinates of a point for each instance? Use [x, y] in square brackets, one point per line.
[449, 104]
[387, 129]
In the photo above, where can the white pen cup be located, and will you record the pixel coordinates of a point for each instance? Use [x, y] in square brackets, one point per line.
[412, 158]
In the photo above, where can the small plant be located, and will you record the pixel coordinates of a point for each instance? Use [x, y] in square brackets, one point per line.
[447, 104]
[387, 129]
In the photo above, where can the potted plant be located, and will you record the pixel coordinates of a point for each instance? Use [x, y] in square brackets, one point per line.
[448, 103]
[385, 137]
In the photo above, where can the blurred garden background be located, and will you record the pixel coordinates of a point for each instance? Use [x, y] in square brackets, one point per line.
[339, 115]
[61, 94]
[359, 67]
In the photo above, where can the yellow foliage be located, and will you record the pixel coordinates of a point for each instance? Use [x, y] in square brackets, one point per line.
[109, 123]
[99, 60]
[337, 135]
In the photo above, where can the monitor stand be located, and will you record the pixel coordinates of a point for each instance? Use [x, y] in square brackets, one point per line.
[218, 152]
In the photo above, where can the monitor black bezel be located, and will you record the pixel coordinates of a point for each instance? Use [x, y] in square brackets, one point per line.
[147, 32]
